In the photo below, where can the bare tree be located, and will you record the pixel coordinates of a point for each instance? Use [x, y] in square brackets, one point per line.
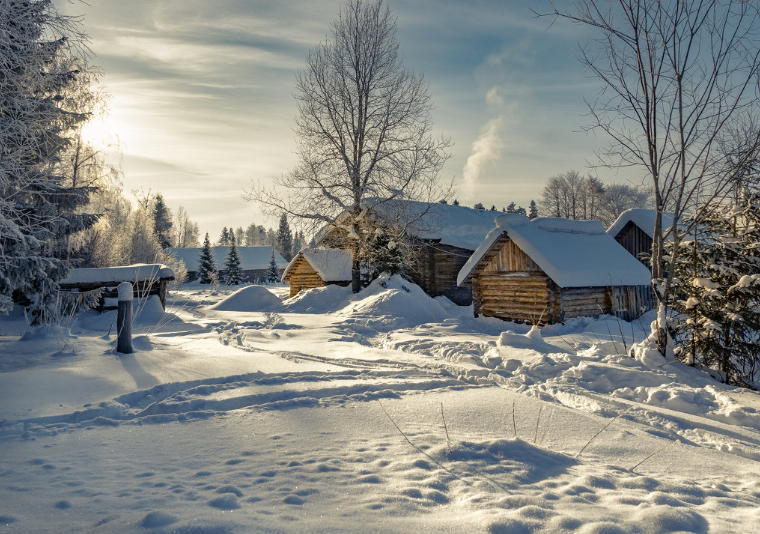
[186, 232]
[675, 73]
[364, 130]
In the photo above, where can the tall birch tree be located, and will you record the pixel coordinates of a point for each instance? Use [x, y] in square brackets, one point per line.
[364, 132]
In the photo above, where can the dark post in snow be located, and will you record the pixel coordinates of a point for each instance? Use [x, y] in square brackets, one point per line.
[124, 319]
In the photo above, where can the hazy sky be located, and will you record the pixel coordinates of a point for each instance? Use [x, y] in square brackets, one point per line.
[202, 94]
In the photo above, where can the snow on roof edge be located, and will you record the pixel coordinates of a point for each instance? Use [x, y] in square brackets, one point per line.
[139, 272]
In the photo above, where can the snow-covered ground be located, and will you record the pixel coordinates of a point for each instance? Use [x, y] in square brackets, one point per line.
[385, 411]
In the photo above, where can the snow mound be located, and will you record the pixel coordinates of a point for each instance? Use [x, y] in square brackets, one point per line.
[249, 299]
[391, 302]
[531, 340]
[326, 299]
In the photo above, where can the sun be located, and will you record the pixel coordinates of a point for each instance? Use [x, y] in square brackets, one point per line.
[99, 131]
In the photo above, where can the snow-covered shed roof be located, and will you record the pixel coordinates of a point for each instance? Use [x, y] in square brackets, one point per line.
[457, 226]
[331, 264]
[572, 253]
[251, 258]
[140, 272]
[643, 218]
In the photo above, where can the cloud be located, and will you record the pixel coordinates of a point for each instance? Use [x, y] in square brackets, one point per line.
[485, 149]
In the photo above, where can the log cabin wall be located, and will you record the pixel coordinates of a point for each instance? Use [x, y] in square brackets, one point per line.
[447, 262]
[509, 285]
[303, 276]
[636, 241]
[586, 302]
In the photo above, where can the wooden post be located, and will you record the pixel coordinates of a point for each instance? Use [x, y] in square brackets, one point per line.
[124, 319]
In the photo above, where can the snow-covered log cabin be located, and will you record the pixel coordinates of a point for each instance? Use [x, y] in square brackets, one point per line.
[146, 278]
[446, 236]
[547, 270]
[318, 267]
[254, 261]
[634, 230]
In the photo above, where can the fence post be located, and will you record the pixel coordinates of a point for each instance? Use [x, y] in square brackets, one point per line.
[124, 319]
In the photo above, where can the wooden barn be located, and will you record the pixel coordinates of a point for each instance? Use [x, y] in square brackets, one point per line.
[548, 270]
[146, 278]
[254, 261]
[634, 230]
[318, 267]
[446, 235]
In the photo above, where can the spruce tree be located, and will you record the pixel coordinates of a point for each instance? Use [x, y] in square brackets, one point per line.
[206, 263]
[532, 210]
[233, 275]
[511, 208]
[284, 238]
[224, 238]
[43, 94]
[272, 274]
[717, 292]
[162, 220]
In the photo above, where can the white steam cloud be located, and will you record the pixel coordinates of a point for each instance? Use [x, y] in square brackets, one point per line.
[486, 148]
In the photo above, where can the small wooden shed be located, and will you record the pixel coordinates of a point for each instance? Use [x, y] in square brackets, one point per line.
[547, 270]
[146, 278]
[318, 267]
[634, 230]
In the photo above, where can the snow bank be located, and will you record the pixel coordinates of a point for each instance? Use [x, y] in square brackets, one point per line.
[249, 299]
[391, 302]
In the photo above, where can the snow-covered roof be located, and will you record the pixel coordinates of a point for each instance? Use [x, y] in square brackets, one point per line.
[140, 272]
[331, 264]
[251, 258]
[457, 226]
[572, 253]
[643, 218]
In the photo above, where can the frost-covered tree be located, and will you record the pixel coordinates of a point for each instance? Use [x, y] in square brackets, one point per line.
[41, 61]
[162, 221]
[186, 232]
[364, 130]
[232, 273]
[284, 238]
[206, 263]
[224, 237]
[298, 244]
[272, 274]
[532, 210]
[717, 291]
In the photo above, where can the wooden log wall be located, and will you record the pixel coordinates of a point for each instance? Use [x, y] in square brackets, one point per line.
[303, 276]
[522, 297]
[636, 241]
[585, 302]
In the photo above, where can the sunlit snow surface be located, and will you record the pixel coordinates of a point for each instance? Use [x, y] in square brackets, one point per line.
[325, 413]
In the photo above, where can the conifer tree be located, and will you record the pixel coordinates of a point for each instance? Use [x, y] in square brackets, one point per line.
[43, 94]
[297, 244]
[272, 274]
[718, 292]
[162, 220]
[284, 238]
[233, 275]
[511, 208]
[532, 210]
[206, 263]
[224, 239]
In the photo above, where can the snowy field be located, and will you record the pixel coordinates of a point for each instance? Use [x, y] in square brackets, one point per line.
[387, 411]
